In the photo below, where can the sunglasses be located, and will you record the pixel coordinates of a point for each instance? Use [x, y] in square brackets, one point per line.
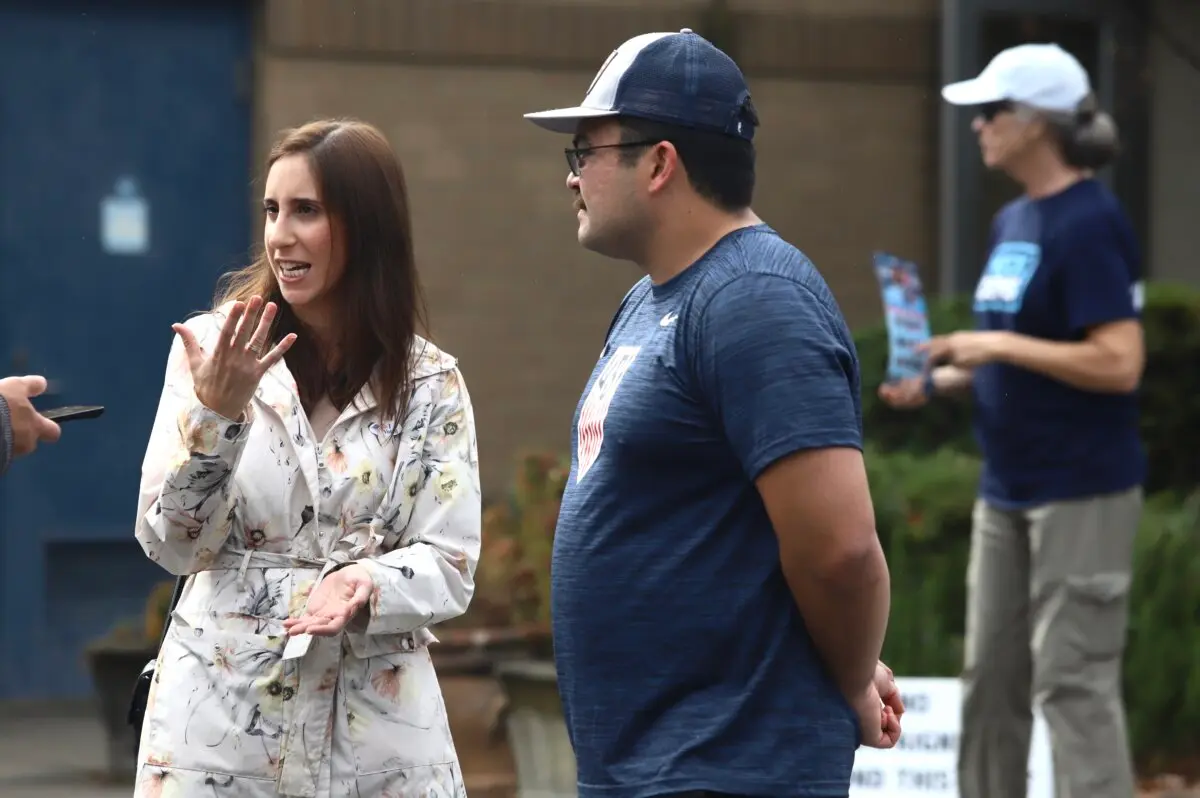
[989, 111]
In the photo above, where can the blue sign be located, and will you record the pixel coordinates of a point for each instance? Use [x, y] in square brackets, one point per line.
[905, 315]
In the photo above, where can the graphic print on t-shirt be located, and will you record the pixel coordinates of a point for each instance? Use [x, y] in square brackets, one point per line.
[595, 407]
[1006, 276]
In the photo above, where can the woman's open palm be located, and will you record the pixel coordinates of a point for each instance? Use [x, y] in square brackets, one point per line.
[226, 378]
[334, 602]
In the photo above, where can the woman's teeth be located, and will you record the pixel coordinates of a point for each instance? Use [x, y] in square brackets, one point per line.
[293, 269]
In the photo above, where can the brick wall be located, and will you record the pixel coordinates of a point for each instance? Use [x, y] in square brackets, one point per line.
[846, 155]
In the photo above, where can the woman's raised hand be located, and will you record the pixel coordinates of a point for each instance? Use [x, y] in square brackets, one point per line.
[226, 378]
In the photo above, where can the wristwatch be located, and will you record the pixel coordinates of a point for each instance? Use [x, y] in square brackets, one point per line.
[927, 384]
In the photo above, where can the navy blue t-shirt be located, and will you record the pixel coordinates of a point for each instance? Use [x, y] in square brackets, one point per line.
[683, 661]
[1057, 266]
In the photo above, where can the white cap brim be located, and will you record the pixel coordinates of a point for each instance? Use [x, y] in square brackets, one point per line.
[566, 120]
[976, 91]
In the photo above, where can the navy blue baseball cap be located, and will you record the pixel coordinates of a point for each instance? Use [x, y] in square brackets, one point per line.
[675, 78]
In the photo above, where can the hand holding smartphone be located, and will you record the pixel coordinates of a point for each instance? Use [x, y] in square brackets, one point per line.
[60, 415]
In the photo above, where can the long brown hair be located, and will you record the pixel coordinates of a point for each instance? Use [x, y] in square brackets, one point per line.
[362, 185]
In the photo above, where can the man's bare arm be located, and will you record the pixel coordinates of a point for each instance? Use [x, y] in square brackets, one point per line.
[819, 503]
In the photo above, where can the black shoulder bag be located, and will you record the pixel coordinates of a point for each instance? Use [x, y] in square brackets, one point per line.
[141, 688]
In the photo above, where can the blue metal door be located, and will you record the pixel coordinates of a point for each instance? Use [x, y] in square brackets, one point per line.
[124, 172]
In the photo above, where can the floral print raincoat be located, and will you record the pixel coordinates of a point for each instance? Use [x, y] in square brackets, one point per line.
[257, 512]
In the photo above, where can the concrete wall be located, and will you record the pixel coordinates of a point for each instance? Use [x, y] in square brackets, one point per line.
[846, 160]
[1174, 144]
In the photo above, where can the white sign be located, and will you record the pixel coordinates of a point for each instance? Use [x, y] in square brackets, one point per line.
[125, 220]
[925, 762]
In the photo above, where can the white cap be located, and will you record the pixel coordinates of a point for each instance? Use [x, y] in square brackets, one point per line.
[1042, 76]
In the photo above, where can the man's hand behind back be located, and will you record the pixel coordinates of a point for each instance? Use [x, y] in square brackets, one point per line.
[29, 427]
[879, 710]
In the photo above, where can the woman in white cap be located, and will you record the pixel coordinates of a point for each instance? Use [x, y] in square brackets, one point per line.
[1053, 366]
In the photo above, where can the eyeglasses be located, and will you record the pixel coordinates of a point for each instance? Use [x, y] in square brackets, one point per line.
[989, 111]
[577, 156]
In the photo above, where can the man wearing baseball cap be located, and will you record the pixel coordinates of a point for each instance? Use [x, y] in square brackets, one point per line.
[719, 592]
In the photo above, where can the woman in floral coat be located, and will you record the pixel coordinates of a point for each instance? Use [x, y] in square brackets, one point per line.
[313, 467]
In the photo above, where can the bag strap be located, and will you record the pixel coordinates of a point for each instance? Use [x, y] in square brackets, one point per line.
[180, 583]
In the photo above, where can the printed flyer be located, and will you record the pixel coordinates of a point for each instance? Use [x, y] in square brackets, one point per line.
[905, 315]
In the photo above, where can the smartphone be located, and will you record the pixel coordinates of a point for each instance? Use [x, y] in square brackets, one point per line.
[73, 412]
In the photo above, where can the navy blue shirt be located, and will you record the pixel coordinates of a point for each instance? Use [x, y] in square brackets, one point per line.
[1057, 266]
[683, 661]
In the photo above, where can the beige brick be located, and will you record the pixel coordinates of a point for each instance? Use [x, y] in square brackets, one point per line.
[814, 38]
[845, 166]
[872, 9]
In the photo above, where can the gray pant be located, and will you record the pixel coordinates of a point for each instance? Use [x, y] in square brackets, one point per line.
[1047, 609]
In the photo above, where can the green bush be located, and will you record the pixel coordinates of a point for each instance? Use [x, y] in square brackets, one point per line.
[923, 513]
[923, 516]
[1171, 387]
[1162, 660]
[1170, 393]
